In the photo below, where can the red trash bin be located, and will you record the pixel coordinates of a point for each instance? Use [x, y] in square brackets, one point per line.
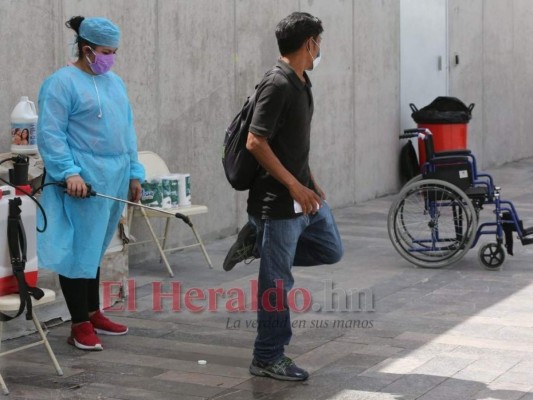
[447, 119]
[445, 137]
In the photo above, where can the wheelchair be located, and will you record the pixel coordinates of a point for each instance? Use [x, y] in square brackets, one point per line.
[434, 220]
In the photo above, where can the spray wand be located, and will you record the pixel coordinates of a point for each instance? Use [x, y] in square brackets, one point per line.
[91, 192]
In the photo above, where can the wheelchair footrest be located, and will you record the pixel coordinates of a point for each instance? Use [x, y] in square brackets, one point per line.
[525, 239]
[528, 231]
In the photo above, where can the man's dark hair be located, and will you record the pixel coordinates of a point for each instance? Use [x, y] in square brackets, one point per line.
[294, 30]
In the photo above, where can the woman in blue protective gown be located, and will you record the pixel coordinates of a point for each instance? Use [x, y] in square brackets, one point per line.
[86, 136]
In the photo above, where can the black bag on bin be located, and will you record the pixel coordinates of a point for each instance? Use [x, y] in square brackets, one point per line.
[443, 110]
[409, 167]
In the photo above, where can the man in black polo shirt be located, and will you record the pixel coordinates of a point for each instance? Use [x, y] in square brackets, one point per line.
[289, 221]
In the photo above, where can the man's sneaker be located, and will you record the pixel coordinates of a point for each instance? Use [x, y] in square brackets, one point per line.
[284, 370]
[83, 337]
[242, 249]
[105, 326]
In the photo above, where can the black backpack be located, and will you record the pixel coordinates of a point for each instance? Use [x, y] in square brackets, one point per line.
[240, 166]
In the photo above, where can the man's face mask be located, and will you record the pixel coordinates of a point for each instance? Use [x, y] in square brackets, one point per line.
[316, 60]
[102, 62]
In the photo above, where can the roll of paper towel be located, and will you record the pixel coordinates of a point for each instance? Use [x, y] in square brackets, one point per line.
[184, 188]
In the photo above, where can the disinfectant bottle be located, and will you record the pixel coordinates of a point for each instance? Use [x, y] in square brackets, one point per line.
[24, 127]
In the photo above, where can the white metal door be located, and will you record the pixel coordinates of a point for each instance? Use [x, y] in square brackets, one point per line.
[423, 55]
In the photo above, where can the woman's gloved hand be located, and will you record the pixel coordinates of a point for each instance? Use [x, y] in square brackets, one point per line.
[76, 186]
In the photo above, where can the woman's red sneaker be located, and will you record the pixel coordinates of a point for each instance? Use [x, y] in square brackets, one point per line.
[83, 337]
[105, 326]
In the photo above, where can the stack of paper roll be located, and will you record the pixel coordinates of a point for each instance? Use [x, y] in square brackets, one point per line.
[167, 191]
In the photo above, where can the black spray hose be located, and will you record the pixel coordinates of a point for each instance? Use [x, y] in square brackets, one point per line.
[91, 192]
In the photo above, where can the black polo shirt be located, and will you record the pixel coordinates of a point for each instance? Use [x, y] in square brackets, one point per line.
[282, 114]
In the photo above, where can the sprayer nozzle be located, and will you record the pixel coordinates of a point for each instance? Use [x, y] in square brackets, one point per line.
[184, 218]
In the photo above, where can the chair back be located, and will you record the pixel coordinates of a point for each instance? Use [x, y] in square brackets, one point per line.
[153, 164]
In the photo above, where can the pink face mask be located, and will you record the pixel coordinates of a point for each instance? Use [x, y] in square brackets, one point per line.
[102, 62]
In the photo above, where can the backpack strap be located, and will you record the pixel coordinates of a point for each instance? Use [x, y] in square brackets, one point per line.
[284, 112]
[16, 237]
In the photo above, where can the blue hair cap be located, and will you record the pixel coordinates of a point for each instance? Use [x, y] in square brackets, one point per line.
[100, 31]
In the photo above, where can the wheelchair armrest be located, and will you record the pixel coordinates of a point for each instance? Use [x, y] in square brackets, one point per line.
[442, 159]
[458, 152]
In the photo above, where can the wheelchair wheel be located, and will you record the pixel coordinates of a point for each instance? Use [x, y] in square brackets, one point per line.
[432, 223]
[411, 181]
[491, 255]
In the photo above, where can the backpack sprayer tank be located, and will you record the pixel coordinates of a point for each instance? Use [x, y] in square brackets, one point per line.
[18, 176]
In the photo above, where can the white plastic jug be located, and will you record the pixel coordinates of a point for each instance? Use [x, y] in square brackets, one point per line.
[24, 127]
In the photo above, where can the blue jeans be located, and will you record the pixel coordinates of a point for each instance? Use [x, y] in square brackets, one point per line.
[306, 240]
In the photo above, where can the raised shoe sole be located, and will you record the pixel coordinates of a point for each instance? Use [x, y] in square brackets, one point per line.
[110, 333]
[75, 343]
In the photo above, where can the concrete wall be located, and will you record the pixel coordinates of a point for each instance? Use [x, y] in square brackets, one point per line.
[189, 65]
[494, 41]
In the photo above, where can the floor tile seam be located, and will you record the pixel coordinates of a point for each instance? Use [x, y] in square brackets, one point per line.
[222, 395]
[208, 374]
[388, 295]
[424, 358]
[404, 375]
[400, 376]
[334, 361]
[443, 339]
[179, 348]
[191, 356]
[503, 373]
[158, 389]
[526, 394]
[165, 363]
[447, 378]
[335, 340]
[367, 345]
[321, 345]
[392, 359]
[323, 366]
[436, 356]
[94, 385]
[227, 375]
[434, 387]
[503, 323]
[446, 353]
[244, 379]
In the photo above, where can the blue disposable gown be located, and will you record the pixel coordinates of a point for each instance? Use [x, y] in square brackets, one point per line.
[72, 139]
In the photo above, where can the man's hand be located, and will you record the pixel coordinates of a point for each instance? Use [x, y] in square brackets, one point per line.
[135, 190]
[309, 200]
[76, 186]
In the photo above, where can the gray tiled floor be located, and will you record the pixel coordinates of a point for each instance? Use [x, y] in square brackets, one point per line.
[455, 333]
